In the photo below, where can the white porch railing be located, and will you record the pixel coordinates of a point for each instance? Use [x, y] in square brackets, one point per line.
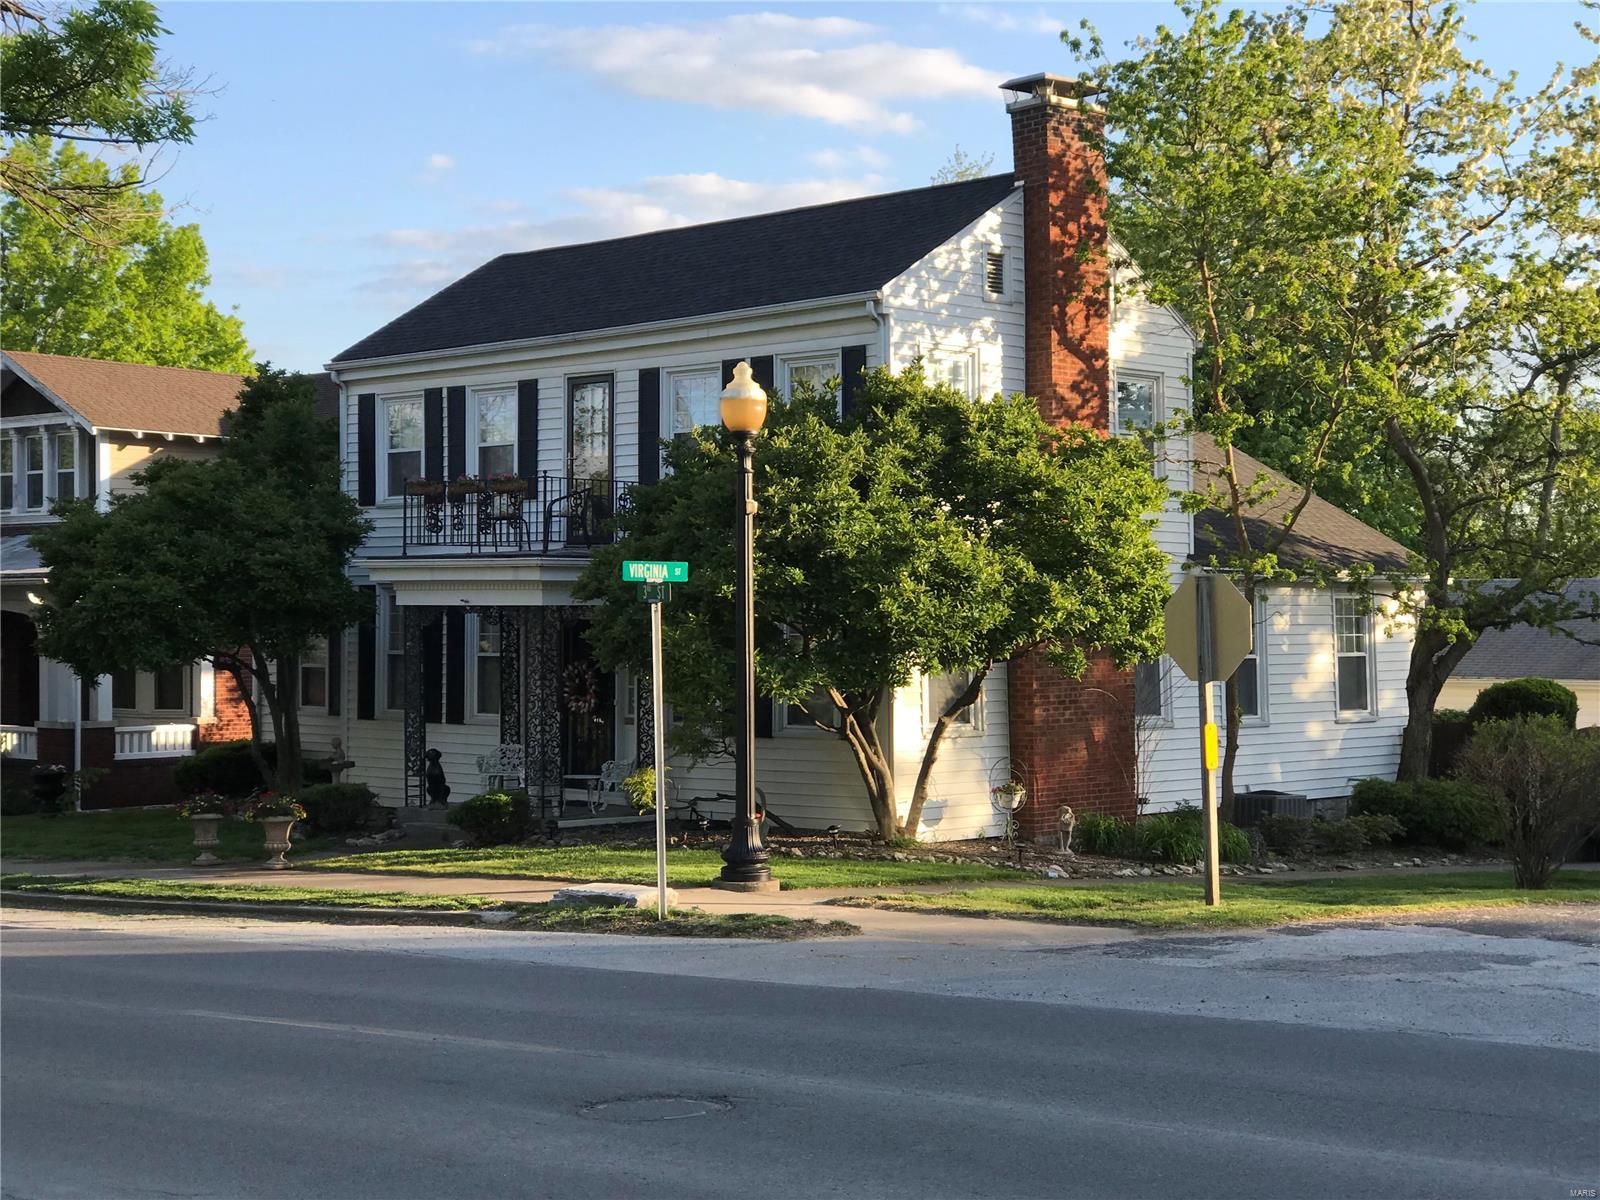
[19, 741]
[155, 741]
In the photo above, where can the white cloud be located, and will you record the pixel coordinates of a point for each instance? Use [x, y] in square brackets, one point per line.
[429, 258]
[836, 160]
[1006, 18]
[440, 162]
[831, 69]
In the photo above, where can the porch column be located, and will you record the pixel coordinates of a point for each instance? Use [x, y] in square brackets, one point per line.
[541, 705]
[412, 619]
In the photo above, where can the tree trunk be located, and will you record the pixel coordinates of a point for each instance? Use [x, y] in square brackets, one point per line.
[930, 753]
[244, 678]
[877, 772]
[290, 772]
[1230, 749]
[1433, 658]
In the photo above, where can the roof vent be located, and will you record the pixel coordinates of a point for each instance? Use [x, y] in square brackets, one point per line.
[994, 274]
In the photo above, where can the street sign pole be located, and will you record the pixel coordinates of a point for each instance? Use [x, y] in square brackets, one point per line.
[1206, 645]
[660, 740]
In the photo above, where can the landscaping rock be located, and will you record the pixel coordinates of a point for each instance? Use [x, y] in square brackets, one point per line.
[610, 895]
[1125, 873]
[1146, 871]
[1346, 867]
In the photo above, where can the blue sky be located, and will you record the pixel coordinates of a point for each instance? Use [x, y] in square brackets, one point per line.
[358, 157]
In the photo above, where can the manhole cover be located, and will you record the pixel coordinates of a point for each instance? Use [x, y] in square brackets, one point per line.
[636, 1109]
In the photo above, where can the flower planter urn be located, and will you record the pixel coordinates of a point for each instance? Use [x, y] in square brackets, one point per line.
[206, 828]
[277, 840]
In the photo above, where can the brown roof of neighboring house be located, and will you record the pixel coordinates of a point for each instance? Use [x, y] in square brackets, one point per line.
[115, 395]
[1323, 534]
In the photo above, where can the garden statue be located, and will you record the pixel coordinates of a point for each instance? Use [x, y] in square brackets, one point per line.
[338, 763]
[1068, 823]
[433, 776]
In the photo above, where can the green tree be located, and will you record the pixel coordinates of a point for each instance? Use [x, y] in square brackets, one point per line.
[240, 560]
[961, 165]
[139, 297]
[921, 533]
[92, 76]
[1389, 254]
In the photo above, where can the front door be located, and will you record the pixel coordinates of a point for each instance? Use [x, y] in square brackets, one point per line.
[588, 707]
[589, 412]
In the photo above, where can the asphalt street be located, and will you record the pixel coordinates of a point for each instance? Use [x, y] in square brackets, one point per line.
[232, 1059]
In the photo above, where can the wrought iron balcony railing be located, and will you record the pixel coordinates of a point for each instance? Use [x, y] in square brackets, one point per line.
[544, 514]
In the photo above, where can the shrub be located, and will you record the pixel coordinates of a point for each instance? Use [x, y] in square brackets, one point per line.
[1447, 813]
[1545, 781]
[1287, 835]
[494, 818]
[1451, 729]
[337, 807]
[1338, 837]
[229, 769]
[1524, 697]
[1377, 829]
[1097, 833]
[17, 798]
[1178, 837]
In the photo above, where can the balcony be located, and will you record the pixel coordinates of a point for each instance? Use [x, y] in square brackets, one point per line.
[544, 515]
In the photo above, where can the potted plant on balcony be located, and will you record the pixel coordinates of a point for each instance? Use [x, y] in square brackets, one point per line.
[205, 811]
[432, 489]
[463, 486]
[277, 815]
[508, 484]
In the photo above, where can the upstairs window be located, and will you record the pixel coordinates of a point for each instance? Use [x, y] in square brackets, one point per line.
[33, 471]
[1352, 638]
[314, 676]
[994, 273]
[497, 433]
[403, 443]
[66, 466]
[694, 399]
[1136, 410]
[171, 684]
[8, 467]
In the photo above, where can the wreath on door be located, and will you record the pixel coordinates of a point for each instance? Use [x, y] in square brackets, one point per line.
[580, 690]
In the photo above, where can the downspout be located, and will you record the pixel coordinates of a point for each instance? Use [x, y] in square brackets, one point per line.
[344, 657]
[875, 310]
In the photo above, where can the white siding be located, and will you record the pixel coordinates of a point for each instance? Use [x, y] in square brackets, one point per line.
[970, 762]
[1302, 745]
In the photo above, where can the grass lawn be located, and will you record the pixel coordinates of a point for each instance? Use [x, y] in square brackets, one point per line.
[679, 923]
[685, 868]
[1182, 905]
[160, 836]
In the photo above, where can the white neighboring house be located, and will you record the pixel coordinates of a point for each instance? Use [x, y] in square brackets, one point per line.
[80, 427]
[1523, 651]
[558, 372]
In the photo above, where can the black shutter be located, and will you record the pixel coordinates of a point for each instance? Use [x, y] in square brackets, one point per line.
[764, 716]
[433, 433]
[455, 666]
[433, 669]
[456, 432]
[649, 424]
[852, 361]
[761, 371]
[366, 448]
[367, 659]
[87, 460]
[335, 672]
[527, 428]
[728, 364]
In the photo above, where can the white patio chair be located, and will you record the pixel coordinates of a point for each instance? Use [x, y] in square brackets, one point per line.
[607, 783]
[504, 762]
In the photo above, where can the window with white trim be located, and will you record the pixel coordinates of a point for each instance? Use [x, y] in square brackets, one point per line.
[1352, 650]
[939, 692]
[314, 676]
[813, 370]
[1138, 403]
[394, 656]
[8, 469]
[958, 368]
[33, 471]
[694, 399]
[806, 715]
[495, 418]
[171, 689]
[403, 440]
[66, 465]
[486, 667]
[1150, 689]
[1250, 690]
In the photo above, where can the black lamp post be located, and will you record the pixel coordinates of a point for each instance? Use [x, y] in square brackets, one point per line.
[744, 408]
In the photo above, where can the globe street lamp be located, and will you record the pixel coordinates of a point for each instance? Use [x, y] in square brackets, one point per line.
[744, 408]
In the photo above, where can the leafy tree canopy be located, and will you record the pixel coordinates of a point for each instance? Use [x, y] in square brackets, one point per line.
[137, 298]
[244, 552]
[961, 165]
[920, 533]
[92, 76]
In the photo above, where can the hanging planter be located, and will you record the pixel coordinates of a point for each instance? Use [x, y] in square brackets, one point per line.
[508, 485]
[460, 489]
[431, 489]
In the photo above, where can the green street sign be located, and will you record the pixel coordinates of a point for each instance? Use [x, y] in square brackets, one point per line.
[655, 593]
[634, 571]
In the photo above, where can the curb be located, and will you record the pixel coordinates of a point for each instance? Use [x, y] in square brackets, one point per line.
[317, 912]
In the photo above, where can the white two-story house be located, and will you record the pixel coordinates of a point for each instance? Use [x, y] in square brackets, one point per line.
[490, 432]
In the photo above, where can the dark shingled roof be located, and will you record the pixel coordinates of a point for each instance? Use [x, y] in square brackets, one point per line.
[1523, 650]
[838, 249]
[1323, 535]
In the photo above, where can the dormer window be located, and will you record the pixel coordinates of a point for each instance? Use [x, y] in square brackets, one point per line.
[33, 471]
[994, 273]
[8, 478]
[66, 466]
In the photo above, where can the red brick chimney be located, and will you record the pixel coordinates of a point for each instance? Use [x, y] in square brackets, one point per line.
[1072, 740]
